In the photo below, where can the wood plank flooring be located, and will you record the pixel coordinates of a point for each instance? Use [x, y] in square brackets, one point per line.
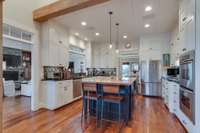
[150, 116]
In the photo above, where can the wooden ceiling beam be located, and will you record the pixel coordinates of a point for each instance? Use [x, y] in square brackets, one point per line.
[62, 7]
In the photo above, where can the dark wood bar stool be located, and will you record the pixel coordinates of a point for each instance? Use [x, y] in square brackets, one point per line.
[111, 94]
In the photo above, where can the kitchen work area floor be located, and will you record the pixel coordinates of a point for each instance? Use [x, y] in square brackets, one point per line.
[150, 116]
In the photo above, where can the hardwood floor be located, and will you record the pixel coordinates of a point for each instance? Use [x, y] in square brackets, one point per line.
[150, 116]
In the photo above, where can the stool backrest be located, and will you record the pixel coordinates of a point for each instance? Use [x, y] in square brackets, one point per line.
[89, 87]
[111, 89]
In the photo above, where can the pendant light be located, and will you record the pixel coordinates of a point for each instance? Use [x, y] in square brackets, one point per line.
[117, 38]
[110, 41]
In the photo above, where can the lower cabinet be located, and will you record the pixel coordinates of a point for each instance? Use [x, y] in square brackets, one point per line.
[171, 95]
[26, 89]
[57, 93]
[185, 122]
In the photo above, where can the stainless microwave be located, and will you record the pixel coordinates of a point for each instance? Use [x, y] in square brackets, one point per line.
[173, 71]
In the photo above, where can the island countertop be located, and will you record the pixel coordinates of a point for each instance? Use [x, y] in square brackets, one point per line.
[109, 80]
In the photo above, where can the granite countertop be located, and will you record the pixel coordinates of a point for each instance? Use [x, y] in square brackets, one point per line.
[55, 80]
[109, 80]
[176, 80]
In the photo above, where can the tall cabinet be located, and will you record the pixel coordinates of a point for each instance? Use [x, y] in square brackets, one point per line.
[187, 25]
[183, 37]
[54, 45]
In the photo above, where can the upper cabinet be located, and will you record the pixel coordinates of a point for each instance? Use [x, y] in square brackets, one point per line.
[54, 45]
[166, 60]
[187, 25]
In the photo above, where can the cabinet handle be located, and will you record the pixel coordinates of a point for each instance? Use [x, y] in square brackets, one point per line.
[184, 122]
[184, 49]
[65, 88]
[185, 18]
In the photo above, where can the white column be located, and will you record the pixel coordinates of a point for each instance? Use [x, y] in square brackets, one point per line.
[197, 61]
[36, 69]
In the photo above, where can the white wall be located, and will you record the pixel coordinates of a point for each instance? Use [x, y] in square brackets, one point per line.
[152, 47]
[45, 2]
[88, 55]
[103, 56]
[19, 14]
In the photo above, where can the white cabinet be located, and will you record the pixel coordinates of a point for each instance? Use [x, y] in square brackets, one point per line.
[170, 93]
[187, 25]
[26, 89]
[173, 97]
[57, 93]
[9, 88]
[54, 45]
[185, 121]
[68, 91]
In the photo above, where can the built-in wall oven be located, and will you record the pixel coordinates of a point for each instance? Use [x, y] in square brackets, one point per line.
[187, 104]
[187, 84]
[187, 70]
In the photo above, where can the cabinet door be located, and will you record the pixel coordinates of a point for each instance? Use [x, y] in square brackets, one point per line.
[67, 91]
[53, 55]
[59, 94]
[63, 55]
[166, 60]
[187, 25]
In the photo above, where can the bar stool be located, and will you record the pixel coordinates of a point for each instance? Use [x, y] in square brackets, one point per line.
[89, 93]
[111, 94]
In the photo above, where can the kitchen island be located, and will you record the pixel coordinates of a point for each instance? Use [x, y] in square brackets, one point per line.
[126, 89]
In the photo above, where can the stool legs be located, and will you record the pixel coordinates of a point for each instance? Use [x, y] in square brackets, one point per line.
[119, 118]
[102, 111]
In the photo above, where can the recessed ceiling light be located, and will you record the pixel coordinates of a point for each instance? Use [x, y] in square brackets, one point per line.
[97, 34]
[86, 39]
[147, 25]
[83, 23]
[148, 8]
[125, 36]
[117, 51]
[77, 34]
[110, 46]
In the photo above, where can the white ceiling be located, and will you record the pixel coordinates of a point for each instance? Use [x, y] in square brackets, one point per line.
[129, 13]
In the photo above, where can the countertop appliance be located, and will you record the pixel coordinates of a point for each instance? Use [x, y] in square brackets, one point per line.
[173, 71]
[187, 83]
[53, 73]
[150, 78]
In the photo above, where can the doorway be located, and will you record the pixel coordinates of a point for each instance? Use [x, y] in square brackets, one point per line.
[17, 75]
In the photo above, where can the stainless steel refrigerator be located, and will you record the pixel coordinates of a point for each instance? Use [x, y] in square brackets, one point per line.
[150, 78]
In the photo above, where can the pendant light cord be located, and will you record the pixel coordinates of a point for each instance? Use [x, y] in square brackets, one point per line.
[117, 42]
[110, 13]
